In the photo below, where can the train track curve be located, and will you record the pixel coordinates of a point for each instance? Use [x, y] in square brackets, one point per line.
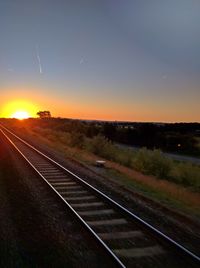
[128, 239]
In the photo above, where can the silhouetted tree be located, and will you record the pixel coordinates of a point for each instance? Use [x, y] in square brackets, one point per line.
[44, 114]
[109, 131]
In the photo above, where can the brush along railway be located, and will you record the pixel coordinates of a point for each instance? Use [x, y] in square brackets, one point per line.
[129, 240]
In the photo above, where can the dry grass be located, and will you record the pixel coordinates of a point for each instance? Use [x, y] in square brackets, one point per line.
[172, 190]
[168, 190]
[164, 190]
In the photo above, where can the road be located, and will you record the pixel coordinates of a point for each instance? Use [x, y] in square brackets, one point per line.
[178, 157]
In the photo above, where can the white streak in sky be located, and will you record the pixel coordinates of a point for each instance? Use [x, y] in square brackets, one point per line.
[38, 57]
[81, 61]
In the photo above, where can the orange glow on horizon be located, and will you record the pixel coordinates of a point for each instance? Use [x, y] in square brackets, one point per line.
[36, 99]
[20, 109]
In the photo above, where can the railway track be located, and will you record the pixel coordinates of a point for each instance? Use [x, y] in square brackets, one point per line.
[129, 240]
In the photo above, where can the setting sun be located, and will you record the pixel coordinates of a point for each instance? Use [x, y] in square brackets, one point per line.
[20, 109]
[20, 115]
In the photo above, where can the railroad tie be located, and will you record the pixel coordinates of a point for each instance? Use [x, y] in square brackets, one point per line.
[80, 198]
[63, 183]
[120, 235]
[139, 252]
[49, 169]
[59, 180]
[96, 212]
[73, 192]
[69, 187]
[107, 222]
[54, 176]
[61, 188]
[42, 165]
[84, 205]
[44, 173]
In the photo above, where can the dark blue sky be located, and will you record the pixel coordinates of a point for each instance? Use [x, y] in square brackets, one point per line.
[106, 59]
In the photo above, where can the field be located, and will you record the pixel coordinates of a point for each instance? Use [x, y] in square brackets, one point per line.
[148, 172]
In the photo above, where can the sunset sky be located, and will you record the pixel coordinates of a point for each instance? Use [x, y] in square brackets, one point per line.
[130, 60]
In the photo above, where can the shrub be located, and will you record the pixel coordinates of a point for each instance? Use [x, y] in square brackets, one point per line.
[147, 161]
[101, 146]
[97, 145]
[186, 174]
[65, 138]
[124, 157]
[77, 140]
[152, 162]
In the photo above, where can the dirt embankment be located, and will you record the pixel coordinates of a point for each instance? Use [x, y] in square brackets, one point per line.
[36, 230]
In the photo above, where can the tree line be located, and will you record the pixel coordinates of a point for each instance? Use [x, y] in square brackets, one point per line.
[178, 137]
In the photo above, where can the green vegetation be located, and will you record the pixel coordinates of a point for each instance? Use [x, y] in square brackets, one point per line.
[174, 184]
[150, 162]
[153, 163]
[146, 161]
[181, 138]
[101, 146]
[179, 201]
[187, 175]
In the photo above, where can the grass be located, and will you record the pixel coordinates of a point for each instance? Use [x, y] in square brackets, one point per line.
[166, 196]
[166, 192]
[149, 172]
[148, 162]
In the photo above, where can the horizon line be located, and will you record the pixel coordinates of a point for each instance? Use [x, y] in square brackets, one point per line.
[105, 120]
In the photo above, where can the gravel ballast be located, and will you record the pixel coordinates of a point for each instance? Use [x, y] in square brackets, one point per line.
[156, 214]
[36, 228]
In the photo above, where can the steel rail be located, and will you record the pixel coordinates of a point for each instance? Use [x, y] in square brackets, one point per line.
[108, 250]
[145, 224]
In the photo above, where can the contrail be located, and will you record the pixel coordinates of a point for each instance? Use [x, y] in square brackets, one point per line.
[38, 57]
[81, 61]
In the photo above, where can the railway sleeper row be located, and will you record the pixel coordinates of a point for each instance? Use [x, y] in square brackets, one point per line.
[126, 240]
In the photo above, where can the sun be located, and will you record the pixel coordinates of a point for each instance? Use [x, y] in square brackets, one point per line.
[20, 109]
[20, 115]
